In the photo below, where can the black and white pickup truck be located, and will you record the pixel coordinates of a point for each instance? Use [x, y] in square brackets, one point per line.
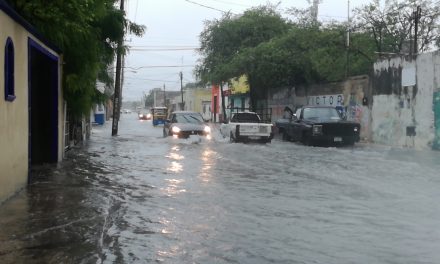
[245, 127]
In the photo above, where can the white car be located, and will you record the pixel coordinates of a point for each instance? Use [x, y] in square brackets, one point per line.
[245, 127]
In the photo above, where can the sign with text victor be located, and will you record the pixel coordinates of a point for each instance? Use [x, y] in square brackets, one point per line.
[326, 100]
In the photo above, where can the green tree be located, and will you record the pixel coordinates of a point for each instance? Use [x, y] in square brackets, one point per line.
[291, 54]
[87, 32]
[224, 39]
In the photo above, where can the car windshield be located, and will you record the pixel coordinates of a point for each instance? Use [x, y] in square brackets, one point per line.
[326, 113]
[159, 111]
[246, 118]
[193, 118]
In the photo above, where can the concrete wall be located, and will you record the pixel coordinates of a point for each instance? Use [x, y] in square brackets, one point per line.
[14, 116]
[403, 89]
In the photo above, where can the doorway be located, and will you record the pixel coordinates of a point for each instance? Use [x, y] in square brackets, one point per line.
[43, 105]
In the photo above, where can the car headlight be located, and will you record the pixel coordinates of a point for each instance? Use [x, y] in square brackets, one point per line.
[356, 129]
[317, 129]
[207, 129]
[175, 130]
[148, 115]
[140, 116]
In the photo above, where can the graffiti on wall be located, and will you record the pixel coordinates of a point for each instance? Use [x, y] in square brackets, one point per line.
[354, 111]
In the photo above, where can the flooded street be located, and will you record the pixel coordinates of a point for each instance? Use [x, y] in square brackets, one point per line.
[142, 198]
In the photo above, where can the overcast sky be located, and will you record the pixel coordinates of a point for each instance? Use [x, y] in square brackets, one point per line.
[173, 28]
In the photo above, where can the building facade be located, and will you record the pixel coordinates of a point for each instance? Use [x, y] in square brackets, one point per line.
[32, 108]
[198, 100]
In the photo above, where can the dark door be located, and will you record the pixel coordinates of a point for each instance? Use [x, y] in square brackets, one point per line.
[43, 105]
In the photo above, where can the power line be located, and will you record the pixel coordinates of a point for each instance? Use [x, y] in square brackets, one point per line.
[164, 49]
[230, 3]
[151, 80]
[158, 66]
[165, 46]
[205, 6]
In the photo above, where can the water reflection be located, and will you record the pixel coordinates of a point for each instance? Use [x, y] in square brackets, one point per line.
[175, 167]
[209, 159]
[173, 187]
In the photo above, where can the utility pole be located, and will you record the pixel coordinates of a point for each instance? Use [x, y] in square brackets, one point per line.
[117, 94]
[181, 89]
[314, 10]
[417, 16]
[164, 96]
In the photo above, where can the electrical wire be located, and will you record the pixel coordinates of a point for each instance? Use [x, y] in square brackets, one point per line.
[231, 3]
[151, 80]
[205, 6]
[164, 49]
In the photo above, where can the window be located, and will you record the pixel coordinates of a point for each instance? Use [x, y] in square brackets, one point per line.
[9, 71]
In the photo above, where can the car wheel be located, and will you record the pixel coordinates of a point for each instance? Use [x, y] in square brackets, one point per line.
[286, 136]
[231, 138]
[305, 139]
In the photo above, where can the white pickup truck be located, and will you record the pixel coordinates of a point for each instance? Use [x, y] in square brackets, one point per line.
[247, 126]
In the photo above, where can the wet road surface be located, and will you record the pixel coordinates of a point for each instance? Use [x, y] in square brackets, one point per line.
[141, 198]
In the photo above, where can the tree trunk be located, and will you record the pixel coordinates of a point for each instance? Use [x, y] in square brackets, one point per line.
[223, 102]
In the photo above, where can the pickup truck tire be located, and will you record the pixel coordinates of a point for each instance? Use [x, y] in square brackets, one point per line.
[286, 137]
[305, 139]
[266, 140]
[231, 138]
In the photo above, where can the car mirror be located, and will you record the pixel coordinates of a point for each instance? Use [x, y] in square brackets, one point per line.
[343, 116]
[167, 121]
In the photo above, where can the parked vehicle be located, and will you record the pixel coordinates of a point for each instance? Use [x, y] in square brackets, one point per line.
[313, 125]
[183, 124]
[247, 126]
[159, 115]
[283, 122]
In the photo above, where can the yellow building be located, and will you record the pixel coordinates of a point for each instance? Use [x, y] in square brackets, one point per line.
[239, 95]
[198, 100]
[31, 108]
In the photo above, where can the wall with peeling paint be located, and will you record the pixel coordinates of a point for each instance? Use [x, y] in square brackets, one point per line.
[403, 96]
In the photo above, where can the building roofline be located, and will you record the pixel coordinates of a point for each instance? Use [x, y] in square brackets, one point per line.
[24, 23]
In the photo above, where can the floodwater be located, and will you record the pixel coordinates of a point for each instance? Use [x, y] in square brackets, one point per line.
[141, 198]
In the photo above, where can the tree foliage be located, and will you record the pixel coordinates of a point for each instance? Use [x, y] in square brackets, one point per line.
[223, 39]
[279, 53]
[87, 32]
[392, 25]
